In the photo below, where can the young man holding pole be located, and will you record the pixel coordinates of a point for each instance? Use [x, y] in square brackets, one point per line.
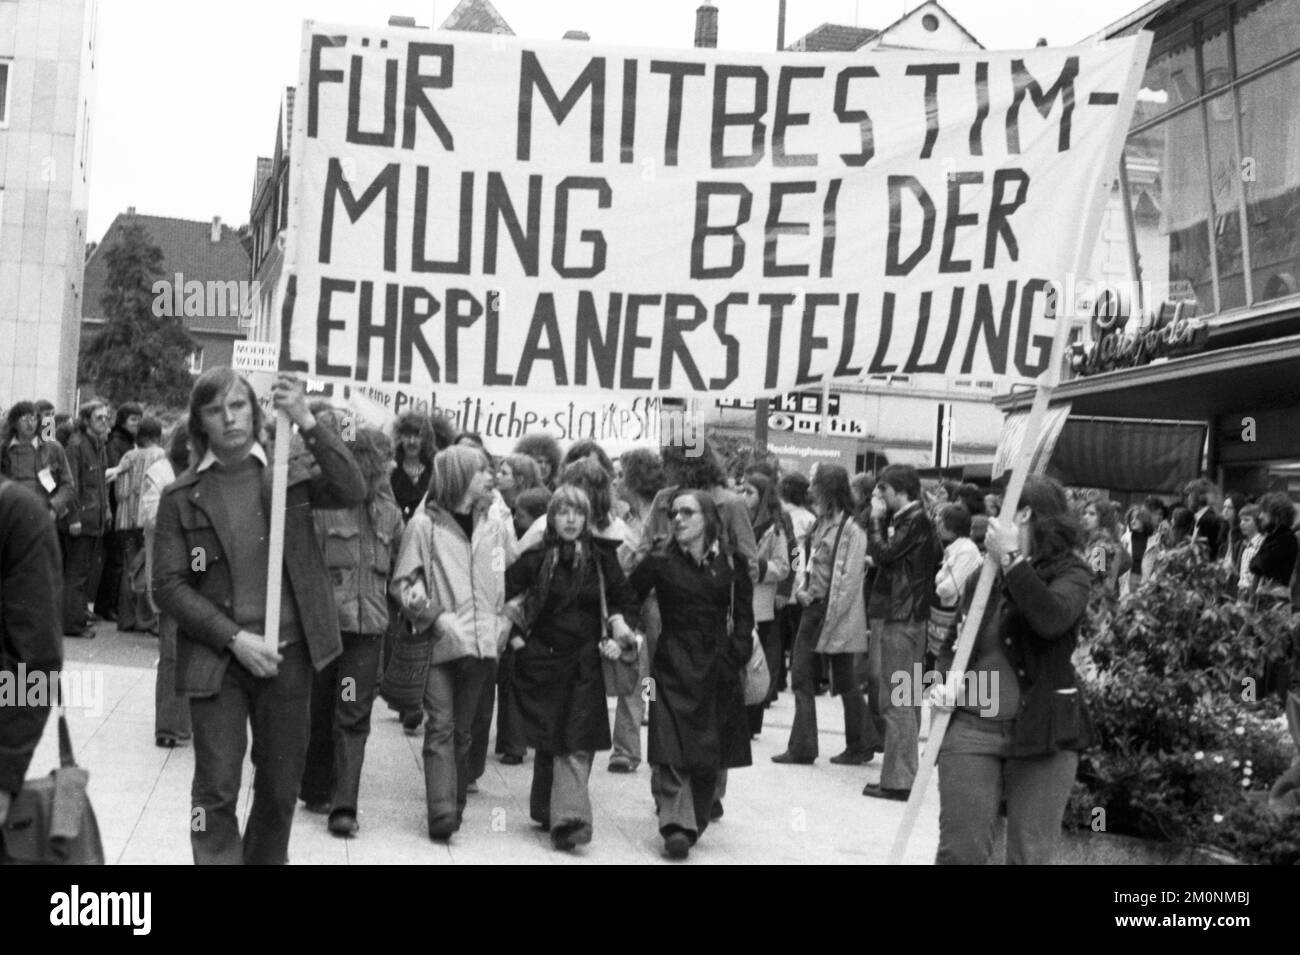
[212, 550]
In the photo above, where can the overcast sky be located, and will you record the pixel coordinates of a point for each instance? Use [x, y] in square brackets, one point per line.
[187, 91]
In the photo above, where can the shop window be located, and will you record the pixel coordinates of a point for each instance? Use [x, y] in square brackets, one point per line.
[1169, 201]
[1264, 31]
[1225, 198]
[1270, 176]
[1170, 78]
[1216, 70]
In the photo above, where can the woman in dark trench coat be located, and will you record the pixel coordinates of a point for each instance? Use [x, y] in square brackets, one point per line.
[698, 723]
[558, 685]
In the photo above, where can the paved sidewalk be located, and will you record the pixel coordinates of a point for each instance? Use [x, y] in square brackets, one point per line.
[779, 814]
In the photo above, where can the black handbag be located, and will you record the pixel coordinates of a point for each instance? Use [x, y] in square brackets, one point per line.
[622, 676]
[51, 821]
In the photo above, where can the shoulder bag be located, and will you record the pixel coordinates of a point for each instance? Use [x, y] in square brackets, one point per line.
[622, 676]
[755, 678]
[51, 821]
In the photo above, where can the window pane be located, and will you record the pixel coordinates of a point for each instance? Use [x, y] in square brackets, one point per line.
[1270, 136]
[1170, 79]
[1265, 30]
[1215, 68]
[1169, 196]
[1225, 188]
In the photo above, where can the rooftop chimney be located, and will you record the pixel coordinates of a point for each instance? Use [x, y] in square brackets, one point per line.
[706, 26]
[582, 35]
[216, 228]
[395, 21]
[130, 210]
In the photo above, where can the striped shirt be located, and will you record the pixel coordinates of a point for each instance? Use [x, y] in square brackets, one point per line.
[130, 482]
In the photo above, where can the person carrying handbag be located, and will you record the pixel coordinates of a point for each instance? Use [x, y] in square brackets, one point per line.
[450, 580]
[574, 611]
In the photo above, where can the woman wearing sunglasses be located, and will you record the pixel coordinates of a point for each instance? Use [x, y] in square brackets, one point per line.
[698, 724]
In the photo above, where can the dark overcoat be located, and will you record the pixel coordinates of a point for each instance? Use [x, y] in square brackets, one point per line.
[697, 709]
[557, 683]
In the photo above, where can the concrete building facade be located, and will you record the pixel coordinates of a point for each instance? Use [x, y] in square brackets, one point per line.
[47, 85]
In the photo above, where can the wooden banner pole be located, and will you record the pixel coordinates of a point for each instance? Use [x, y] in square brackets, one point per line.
[275, 557]
[1023, 460]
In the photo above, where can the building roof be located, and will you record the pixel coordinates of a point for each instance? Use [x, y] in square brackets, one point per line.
[929, 7]
[832, 38]
[264, 186]
[265, 165]
[838, 38]
[477, 16]
[1137, 20]
[187, 248]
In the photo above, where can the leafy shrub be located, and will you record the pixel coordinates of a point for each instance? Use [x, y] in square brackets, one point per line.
[1172, 676]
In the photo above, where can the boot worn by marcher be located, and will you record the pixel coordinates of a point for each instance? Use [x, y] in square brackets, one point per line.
[854, 757]
[568, 835]
[343, 822]
[440, 830]
[677, 844]
[789, 758]
[884, 792]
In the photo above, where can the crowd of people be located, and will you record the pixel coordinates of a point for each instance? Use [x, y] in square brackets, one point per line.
[535, 587]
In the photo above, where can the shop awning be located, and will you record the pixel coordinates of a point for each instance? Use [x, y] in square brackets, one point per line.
[1128, 456]
[1117, 454]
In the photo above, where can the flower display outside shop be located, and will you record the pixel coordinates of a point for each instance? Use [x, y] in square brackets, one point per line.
[1188, 744]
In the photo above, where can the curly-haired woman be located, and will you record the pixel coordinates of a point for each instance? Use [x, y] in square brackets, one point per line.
[361, 545]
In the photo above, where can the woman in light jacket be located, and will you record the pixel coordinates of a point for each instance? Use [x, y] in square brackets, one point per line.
[961, 559]
[770, 567]
[360, 545]
[834, 622]
[450, 578]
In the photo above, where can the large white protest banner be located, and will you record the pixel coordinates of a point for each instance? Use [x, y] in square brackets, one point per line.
[483, 212]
